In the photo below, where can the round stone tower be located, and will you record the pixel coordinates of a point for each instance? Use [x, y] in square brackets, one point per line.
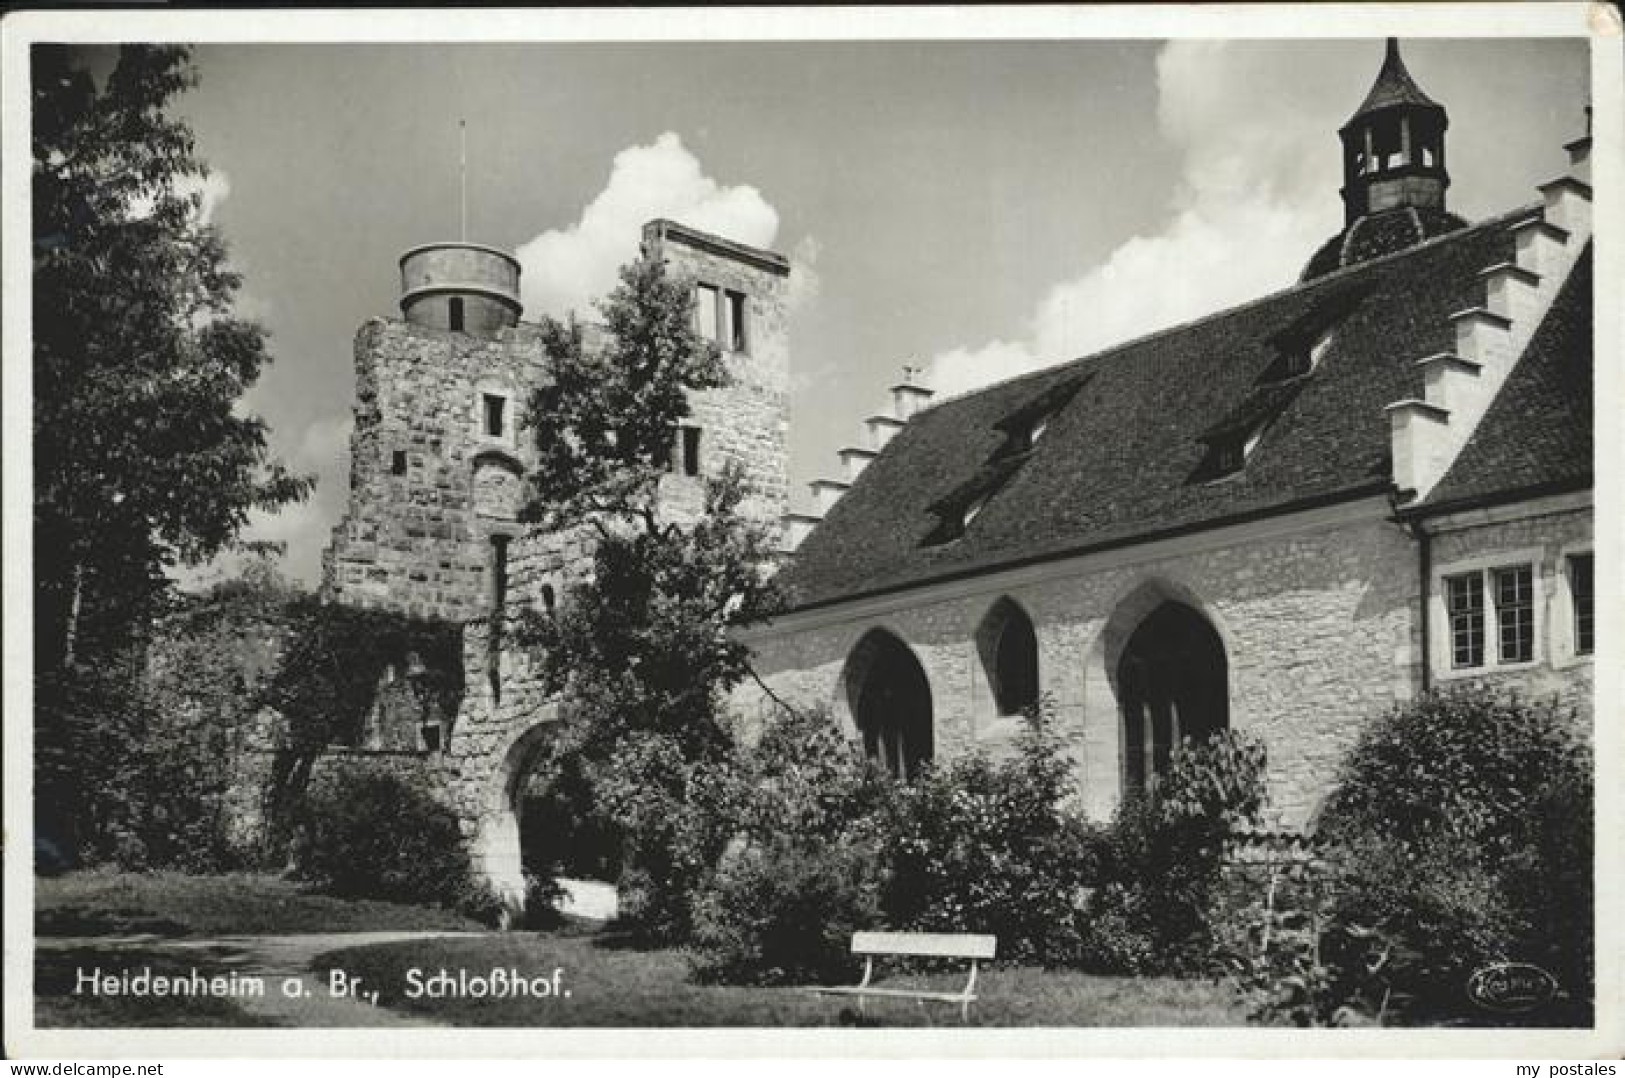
[463, 287]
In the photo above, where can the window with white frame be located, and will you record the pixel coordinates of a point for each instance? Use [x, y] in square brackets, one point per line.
[1490, 616]
[1464, 603]
[1515, 613]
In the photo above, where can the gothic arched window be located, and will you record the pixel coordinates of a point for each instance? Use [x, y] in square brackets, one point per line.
[1009, 652]
[890, 700]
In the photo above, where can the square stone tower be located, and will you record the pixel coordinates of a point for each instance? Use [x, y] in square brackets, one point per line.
[441, 446]
[741, 301]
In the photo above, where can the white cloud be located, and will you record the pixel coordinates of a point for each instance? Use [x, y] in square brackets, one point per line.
[805, 284]
[212, 190]
[1248, 210]
[964, 369]
[570, 268]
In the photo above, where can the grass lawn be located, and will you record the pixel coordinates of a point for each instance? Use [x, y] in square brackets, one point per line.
[58, 1005]
[105, 903]
[615, 986]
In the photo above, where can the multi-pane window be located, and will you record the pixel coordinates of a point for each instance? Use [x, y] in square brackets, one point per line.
[1515, 613]
[1488, 607]
[1464, 601]
[1580, 592]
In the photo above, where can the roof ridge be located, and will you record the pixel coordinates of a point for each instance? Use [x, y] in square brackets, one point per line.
[1189, 323]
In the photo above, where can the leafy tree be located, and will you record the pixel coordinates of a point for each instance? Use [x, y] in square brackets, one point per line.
[644, 648]
[196, 723]
[141, 460]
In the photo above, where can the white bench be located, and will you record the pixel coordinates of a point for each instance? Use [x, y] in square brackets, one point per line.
[919, 945]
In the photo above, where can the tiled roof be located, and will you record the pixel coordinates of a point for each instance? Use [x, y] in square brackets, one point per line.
[1122, 459]
[1537, 432]
[1378, 234]
[1394, 86]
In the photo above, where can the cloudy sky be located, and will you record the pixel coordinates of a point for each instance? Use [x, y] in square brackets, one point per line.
[973, 208]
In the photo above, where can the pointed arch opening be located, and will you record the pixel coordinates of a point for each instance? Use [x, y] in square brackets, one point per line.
[1008, 649]
[1172, 685]
[890, 702]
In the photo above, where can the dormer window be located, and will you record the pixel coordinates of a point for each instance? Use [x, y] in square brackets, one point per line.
[1228, 451]
[1022, 428]
[1036, 430]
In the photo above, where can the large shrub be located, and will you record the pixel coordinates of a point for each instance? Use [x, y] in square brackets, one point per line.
[1464, 826]
[978, 845]
[803, 869]
[363, 831]
[1157, 869]
[671, 826]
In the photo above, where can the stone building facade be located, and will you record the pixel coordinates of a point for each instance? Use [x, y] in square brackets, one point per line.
[438, 458]
[1281, 519]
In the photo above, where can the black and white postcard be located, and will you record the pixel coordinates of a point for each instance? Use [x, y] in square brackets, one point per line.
[949, 531]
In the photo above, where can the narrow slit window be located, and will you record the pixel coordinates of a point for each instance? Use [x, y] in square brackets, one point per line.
[1464, 599]
[1515, 613]
[498, 601]
[397, 462]
[1580, 591]
[499, 574]
[495, 414]
[691, 450]
[454, 314]
[738, 339]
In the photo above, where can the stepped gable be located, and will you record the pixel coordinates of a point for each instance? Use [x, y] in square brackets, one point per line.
[1123, 458]
[1537, 434]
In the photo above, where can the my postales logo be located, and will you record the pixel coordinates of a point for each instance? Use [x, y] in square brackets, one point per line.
[1511, 987]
